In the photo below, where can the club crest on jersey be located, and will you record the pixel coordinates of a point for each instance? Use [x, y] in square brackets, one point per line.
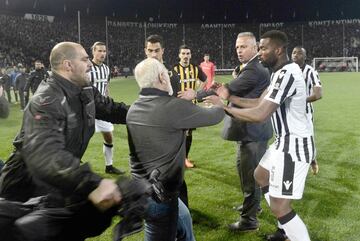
[187, 71]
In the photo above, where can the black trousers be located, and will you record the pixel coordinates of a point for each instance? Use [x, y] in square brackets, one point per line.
[22, 98]
[248, 157]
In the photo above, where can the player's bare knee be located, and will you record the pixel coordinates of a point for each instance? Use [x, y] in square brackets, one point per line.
[108, 137]
[261, 176]
[279, 206]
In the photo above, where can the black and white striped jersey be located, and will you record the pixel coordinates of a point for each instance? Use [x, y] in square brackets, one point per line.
[100, 77]
[312, 79]
[293, 130]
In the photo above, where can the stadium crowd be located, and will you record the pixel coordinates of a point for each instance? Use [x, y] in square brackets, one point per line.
[24, 41]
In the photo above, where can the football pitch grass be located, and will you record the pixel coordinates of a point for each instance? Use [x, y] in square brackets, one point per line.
[330, 205]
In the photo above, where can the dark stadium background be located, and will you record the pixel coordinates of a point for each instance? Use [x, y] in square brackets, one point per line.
[199, 11]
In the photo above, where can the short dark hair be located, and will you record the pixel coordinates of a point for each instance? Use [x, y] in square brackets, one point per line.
[298, 47]
[154, 38]
[278, 37]
[206, 54]
[99, 43]
[184, 46]
[38, 61]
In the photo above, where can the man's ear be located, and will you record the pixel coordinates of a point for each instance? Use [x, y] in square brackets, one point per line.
[278, 51]
[67, 65]
[162, 78]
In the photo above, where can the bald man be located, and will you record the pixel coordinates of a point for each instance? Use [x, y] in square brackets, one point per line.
[57, 126]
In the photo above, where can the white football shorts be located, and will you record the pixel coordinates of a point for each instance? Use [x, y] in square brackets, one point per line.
[286, 176]
[103, 126]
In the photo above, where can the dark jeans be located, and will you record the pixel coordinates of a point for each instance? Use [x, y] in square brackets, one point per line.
[168, 221]
[248, 157]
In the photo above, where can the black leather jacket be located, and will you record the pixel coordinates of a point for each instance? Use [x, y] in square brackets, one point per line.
[57, 126]
[35, 79]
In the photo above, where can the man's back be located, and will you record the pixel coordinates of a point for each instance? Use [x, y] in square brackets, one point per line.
[157, 124]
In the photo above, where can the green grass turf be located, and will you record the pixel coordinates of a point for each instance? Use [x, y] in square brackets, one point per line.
[331, 199]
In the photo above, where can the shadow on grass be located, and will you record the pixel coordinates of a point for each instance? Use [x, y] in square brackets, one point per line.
[215, 173]
[204, 220]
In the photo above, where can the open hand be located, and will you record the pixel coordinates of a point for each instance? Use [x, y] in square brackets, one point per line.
[215, 100]
[188, 94]
[223, 92]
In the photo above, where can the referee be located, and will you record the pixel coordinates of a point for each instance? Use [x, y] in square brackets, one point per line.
[189, 76]
[100, 77]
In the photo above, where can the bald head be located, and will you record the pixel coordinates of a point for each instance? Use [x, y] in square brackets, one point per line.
[71, 61]
[63, 51]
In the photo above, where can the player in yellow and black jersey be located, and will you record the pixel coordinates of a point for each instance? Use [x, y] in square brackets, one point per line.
[190, 76]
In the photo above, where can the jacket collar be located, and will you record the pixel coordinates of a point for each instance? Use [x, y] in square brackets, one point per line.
[68, 87]
[251, 60]
[153, 91]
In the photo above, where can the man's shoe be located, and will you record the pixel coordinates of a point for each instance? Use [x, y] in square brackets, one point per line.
[314, 167]
[243, 227]
[188, 163]
[240, 207]
[113, 170]
[279, 235]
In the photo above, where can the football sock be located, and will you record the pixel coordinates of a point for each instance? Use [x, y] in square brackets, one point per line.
[108, 153]
[294, 227]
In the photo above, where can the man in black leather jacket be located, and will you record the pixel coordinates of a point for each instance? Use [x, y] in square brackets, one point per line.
[57, 126]
[36, 76]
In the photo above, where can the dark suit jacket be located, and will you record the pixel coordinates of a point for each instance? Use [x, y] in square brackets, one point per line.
[251, 82]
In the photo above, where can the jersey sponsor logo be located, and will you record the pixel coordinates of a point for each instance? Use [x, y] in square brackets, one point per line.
[277, 86]
[282, 73]
[187, 80]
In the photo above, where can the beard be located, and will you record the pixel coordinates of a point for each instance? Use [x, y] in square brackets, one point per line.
[269, 63]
